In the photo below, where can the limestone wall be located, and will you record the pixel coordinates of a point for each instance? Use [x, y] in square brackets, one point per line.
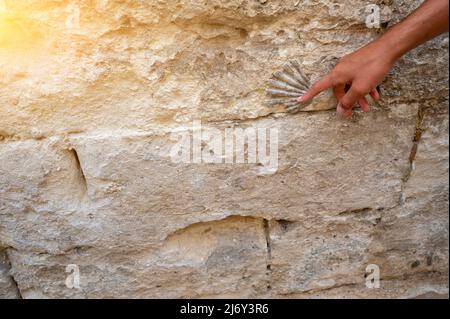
[91, 93]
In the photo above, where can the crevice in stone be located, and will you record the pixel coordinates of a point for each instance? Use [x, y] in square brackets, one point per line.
[4, 137]
[7, 137]
[7, 261]
[16, 285]
[417, 135]
[270, 115]
[419, 129]
[312, 291]
[266, 227]
[81, 177]
[406, 277]
[355, 211]
[207, 222]
[285, 224]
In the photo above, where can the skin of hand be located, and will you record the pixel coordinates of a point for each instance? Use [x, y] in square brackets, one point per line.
[363, 70]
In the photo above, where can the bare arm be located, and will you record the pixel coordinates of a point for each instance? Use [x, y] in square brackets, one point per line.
[365, 68]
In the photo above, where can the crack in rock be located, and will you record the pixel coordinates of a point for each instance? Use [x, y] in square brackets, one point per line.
[9, 289]
[419, 129]
[266, 226]
[79, 171]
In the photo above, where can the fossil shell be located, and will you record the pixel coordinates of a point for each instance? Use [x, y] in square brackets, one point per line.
[287, 85]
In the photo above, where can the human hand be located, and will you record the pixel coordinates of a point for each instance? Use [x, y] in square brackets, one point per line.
[361, 71]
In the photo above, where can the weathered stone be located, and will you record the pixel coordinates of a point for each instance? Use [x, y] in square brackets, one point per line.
[8, 288]
[224, 258]
[413, 238]
[95, 96]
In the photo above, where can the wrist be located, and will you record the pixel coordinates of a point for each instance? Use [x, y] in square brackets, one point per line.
[388, 49]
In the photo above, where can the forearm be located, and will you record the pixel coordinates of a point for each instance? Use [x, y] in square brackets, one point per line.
[425, 23]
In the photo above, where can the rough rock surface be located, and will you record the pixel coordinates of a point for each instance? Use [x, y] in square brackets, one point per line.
[91, 92]
[8, 288]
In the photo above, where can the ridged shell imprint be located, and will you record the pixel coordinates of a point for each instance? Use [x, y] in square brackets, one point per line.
[287, 85]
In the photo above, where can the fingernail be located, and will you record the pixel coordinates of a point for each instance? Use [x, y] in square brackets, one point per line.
[301, 98]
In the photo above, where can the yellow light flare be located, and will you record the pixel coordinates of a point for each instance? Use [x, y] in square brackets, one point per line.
[16, 32]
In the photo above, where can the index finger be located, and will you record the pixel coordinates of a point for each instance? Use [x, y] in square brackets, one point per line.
[321, 85]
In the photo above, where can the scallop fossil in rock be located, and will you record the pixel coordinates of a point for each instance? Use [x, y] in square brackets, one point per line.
[287, 85]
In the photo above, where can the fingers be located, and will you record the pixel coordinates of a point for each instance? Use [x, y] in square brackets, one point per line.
[339, 91]
[344, 112]
[349, 112]
[364, 104]
[347, 96]
[318, 87]
[351, 98]
[375, 95]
